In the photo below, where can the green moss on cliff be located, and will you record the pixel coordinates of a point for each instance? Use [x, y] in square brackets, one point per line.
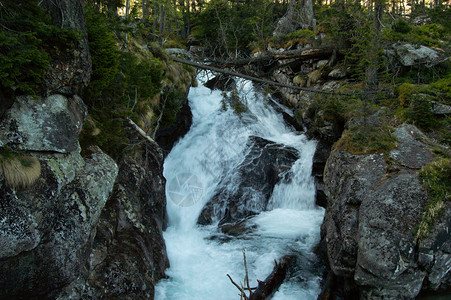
[436, 178]
[365, 140]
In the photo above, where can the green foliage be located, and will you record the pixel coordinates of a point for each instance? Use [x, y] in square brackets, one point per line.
[441, 15]
[27, 42]
[420, 112]
[401, 26]
[436, 178]
[405, 91]
[104, 53]
[443, 86]
[301, 36]
[428, 34]
[172, 105]
[339, 22]
[227, 28]
[367, 139]
[22, 64]
[122, 86]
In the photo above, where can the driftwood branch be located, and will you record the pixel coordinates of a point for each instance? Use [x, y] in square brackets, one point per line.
[246, 277]
[156, 152]
[269, 286]
[243, 294]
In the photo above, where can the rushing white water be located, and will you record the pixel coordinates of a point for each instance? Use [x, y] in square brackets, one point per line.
[200, 256]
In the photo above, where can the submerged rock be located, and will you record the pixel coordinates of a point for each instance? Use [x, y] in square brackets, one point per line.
[247, 192]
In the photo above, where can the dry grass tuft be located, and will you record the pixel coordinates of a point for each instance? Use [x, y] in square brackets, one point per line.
[20, 171]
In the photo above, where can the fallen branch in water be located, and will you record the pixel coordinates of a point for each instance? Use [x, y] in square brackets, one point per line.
[269, 286]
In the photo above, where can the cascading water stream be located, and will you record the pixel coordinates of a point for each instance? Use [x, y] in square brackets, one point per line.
[201, 256]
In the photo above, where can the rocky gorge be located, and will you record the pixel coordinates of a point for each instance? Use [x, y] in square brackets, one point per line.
[90, 227]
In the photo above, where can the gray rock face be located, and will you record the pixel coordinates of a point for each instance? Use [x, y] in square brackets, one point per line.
[386, 248]
[347, 179]
[46, 231]
[70, 71]
[440, 109]
[50, 124]
[409, 55]
[128, 254]
[411, 151]
[372, 214]
[263, 167]
[337, 74]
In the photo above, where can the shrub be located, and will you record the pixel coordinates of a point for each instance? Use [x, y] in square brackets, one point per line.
[420, 112]
[27, 42]
[401, 26]
[104, 53]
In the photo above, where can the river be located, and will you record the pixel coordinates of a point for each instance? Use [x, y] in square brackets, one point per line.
[201, 256]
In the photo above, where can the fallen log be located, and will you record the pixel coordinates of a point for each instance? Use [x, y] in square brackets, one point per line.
[299, 54]
[266, 289]
[255, 79]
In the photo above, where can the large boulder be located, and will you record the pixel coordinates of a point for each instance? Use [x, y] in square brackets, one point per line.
[46, 230]
[375, 203]
[409, 55]
[69, 71]
[248, 190]
[51, 124]
[128, 254]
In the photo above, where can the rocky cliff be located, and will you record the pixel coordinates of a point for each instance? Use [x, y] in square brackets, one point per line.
[75, 226]
[375, 205]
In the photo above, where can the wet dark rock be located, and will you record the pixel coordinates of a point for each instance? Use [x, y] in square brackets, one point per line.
[248, 192]
[166, 137]
[435, 253]
[221, 82]
[50, 124]
[239, 228]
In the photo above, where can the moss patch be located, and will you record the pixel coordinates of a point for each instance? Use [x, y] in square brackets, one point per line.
[436, 178]
[366, 140]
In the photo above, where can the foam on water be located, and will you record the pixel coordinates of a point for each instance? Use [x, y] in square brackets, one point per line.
[200, 256]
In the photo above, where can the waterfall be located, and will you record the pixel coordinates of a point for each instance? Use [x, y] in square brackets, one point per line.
[201, 256]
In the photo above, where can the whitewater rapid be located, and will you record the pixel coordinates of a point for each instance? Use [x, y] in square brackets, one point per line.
[201, 256]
